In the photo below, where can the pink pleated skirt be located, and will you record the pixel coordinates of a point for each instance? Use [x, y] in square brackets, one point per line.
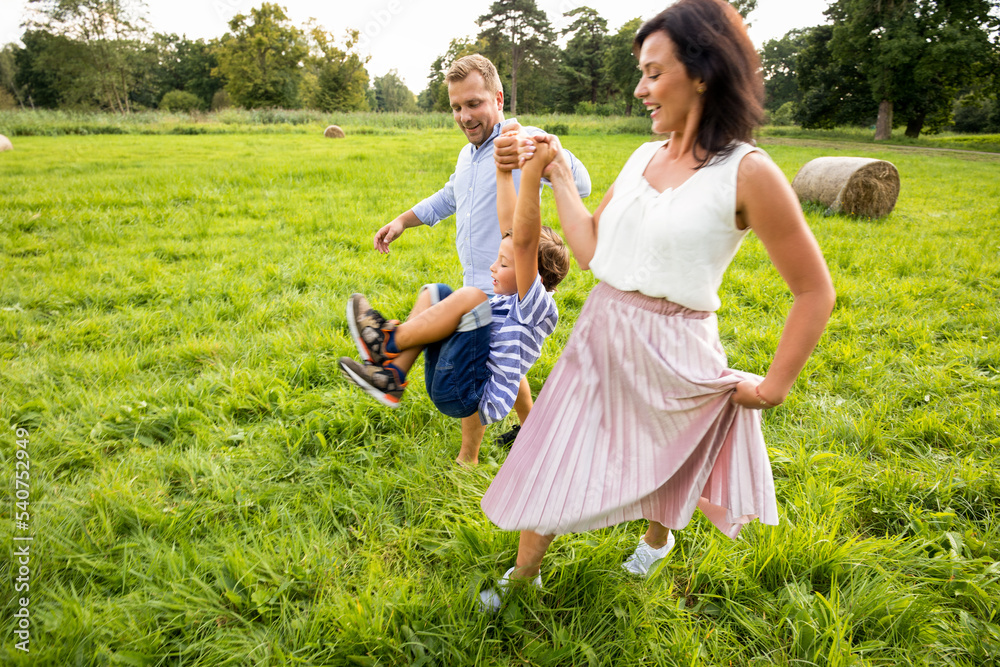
[635, 421]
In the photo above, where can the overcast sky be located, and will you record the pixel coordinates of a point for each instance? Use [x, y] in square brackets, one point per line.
[408, 35]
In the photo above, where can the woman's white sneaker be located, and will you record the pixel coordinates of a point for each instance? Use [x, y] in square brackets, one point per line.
[491, 599]
[644, 557]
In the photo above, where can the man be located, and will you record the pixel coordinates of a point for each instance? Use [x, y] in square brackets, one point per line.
[476, 97]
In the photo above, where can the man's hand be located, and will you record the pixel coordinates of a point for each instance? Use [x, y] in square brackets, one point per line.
[387, 235]
[505, 147]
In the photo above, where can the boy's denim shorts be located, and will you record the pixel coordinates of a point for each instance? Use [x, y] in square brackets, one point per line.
[455, 370]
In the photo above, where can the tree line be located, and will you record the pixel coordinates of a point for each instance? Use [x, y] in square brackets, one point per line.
[923, 65]
[101, 54]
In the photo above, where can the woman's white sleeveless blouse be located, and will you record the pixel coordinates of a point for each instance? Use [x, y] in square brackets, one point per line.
[674, 244]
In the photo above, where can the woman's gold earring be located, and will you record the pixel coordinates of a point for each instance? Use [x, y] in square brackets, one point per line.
[701, 89]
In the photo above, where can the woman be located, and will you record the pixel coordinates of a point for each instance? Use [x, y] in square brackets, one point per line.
[641, 417]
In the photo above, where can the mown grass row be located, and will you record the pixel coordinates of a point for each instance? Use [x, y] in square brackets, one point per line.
[972, 142]
[206, 488]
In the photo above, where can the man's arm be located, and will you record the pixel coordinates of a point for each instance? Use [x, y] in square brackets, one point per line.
[437, 207]
[394, 230]
[581, 177]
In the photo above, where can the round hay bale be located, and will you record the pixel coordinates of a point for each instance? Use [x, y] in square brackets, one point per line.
[854, 185]
[5, 144]
[333, 132]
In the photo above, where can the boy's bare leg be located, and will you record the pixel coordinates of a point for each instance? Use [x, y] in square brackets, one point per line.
[523, 402]
[531, 549]
[472, 436]
[437, 322]
[430, 323]
[407, 357]
[656, 535]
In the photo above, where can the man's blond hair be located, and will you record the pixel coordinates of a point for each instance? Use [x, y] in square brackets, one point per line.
[466, 65]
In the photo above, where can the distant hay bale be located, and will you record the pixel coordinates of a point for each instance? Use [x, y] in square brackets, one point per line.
[5, 144]
[854, 185]
[334, 132]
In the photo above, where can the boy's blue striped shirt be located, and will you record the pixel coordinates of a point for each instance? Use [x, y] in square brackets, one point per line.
[516, 335]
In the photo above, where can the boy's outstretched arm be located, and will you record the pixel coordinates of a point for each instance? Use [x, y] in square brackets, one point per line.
[506, 200]
[528, 219]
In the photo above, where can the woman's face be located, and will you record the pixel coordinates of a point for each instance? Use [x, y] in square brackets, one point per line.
[665, 87]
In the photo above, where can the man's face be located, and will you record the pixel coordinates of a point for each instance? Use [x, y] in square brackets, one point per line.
[475, 110]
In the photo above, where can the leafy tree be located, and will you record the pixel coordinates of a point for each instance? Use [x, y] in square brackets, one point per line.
[435, 97]
[180, 100]
[169, 62]
[521, 31]
[157, 70]
[37, 85]
[785, 114]
[976, 114]
[341, 80]
[8, 75]
[108, 32]
[391, 94]
[744, 7]
[424, 100]
[581, 71]
[831, 92]
[915, 54]
[220, 100]
[195, 60]
[52, 71]
[260, 58]
[779, 62]
[621, 69]
[538, 83]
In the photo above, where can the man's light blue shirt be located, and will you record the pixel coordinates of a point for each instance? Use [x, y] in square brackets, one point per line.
[471, 195]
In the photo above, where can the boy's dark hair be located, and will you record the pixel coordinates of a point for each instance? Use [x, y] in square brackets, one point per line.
[553, 257]
[712, 42]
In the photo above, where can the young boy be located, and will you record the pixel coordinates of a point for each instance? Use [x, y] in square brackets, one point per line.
[476, 350]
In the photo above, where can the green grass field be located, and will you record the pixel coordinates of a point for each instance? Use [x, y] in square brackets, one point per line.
[205, 489]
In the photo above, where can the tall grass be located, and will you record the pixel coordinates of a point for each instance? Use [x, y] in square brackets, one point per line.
[21, 123]
[207, 490]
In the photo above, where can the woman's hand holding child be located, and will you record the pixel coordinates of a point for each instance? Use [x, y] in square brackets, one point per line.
[555, 159]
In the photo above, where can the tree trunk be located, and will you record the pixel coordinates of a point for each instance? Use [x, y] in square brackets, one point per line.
[516, 54]
[915, 125]
[628, 105]
[883, 126]
[513, 92]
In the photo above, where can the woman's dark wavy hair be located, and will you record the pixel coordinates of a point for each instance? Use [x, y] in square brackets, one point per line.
[713, 44]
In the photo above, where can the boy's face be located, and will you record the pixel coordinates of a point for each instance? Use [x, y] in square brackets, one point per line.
[502, 270]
